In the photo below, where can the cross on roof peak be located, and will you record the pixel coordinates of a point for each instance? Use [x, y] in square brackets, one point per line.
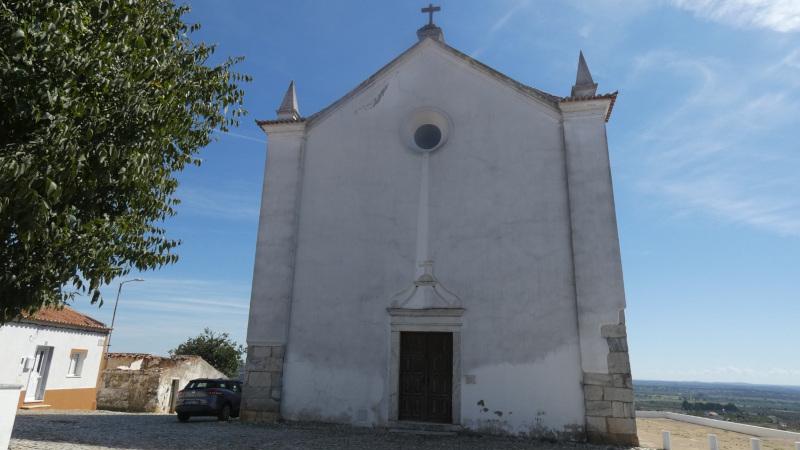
[430, 9]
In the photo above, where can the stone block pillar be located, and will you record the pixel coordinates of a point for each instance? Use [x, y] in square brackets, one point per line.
[263, 383]
[599, 290]
[273, 274]
[608, 395]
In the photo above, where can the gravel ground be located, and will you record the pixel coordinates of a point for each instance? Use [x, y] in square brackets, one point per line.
[70, 430]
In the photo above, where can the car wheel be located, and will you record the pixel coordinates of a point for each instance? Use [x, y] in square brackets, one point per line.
[183, 417]
[225, 412]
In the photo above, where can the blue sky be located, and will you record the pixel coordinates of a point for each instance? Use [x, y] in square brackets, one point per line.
[703, 147]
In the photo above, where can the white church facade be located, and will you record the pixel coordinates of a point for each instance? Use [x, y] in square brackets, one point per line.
[440, 246]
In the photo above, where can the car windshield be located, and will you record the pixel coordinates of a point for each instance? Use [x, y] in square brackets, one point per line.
[202, 384]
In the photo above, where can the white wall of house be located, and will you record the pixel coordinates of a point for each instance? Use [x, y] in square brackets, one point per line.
[20, 340]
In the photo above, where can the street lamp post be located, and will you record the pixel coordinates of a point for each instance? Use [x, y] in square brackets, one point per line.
[114, 315]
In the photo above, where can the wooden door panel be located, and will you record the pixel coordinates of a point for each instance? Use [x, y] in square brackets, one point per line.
[426, 377]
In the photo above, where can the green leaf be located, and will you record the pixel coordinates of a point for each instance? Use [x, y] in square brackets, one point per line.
[102, 104]
[51, 187]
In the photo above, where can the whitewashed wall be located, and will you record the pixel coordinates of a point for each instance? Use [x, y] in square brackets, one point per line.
[500, 239]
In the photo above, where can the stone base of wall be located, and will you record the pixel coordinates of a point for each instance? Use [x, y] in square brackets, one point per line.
[263, 382]
[610, 417]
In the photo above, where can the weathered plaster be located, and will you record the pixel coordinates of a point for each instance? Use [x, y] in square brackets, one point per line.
[551, 405]
[143, 383]
[513, 217]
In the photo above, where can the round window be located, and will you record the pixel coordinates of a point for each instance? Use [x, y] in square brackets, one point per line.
[427, 136]
[426, 130]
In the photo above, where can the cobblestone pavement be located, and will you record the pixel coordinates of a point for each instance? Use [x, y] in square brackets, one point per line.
[71, 430]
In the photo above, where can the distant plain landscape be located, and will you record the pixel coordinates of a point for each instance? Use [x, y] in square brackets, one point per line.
[762, 405]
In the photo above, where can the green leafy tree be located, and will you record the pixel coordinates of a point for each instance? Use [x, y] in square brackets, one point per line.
[219, 350]
[102, 102]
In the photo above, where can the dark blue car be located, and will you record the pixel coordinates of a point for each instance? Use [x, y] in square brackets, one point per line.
[207, 397]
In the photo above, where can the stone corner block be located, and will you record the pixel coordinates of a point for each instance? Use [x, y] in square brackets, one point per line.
[596, 424]
[625, 440]
[621, 425]
[599, 408]
[259, 416]
[592, 392]
[619, 363]
[618, 394]
[258, 378]
[623, 410]
[617, 344]
[613, 331]
[597, 379]
[623, 380]
[278, 351]
[259, 351]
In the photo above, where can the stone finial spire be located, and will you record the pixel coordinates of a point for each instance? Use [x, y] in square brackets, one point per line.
[288, 109]
[430, 29]
[584, 85]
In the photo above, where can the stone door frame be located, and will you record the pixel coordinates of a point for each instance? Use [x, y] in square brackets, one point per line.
[447, 320]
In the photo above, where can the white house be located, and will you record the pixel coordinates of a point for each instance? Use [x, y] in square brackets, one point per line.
[55, 354]
[440, 245]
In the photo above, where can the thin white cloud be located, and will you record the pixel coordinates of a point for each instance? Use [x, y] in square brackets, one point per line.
[155, 295]
[498, 25]
[722, 148]
[242, 136]
[787, 70]
[730, 202]
[778, 15]
[503, 20]
[195, 305]
[226, 202]
[159, 313]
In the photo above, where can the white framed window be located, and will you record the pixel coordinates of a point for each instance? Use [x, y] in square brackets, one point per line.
[76, 359]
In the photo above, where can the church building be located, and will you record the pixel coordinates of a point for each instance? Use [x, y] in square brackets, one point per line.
[438, 249]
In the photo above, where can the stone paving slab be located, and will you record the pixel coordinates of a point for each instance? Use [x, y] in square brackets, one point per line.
[72, 430]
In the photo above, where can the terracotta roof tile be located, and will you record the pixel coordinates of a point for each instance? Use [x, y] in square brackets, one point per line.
[65, 316]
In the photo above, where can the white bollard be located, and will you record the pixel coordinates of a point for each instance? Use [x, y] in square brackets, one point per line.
[797, 446]
[665, 437]
[755, 444]
[712, 442]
